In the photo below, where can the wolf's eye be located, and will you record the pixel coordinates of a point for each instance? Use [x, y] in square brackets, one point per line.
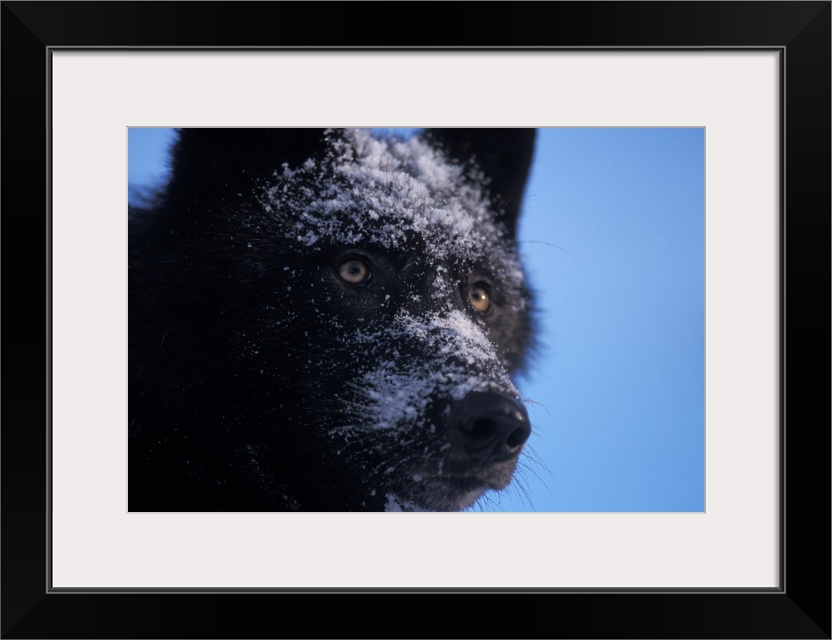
[480, 300]
[354, 271]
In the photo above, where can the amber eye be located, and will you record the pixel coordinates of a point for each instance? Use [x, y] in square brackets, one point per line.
[354, 271]
[480, 300]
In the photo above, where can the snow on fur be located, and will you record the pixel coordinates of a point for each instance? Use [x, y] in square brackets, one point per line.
[385, 192]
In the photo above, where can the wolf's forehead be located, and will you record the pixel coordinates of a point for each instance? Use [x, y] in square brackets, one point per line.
[385, 193]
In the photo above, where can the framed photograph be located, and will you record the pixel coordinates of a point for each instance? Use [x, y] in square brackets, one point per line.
[671, 217]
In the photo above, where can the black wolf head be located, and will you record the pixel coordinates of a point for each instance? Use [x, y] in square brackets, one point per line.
[326, 320]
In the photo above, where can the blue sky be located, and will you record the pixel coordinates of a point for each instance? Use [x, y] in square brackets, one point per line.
[612, 238]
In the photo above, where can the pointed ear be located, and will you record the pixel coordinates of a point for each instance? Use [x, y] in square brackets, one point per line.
[503, 155]
[211, 162]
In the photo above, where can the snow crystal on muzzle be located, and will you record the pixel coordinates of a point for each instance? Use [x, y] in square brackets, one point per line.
[460, 360]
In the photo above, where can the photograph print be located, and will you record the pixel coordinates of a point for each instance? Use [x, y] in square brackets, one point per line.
[492, 319]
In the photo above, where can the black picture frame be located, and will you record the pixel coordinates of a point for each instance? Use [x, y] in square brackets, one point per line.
[800, 608]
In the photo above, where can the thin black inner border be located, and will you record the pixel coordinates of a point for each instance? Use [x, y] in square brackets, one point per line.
[782, 577]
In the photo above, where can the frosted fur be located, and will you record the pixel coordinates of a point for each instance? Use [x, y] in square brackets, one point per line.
[385, 193]
[401, 392]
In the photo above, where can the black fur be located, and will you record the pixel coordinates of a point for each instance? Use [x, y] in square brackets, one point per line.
[326, 321]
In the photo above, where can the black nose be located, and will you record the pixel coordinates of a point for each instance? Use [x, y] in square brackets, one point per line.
[489, 427]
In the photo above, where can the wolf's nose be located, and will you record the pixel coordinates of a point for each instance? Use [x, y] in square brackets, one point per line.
[490, 427]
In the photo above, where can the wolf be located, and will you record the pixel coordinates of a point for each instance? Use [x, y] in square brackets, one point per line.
[329, 320]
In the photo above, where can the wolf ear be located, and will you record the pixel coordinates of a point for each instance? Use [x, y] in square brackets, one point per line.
[216, 160]
[504, 156]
